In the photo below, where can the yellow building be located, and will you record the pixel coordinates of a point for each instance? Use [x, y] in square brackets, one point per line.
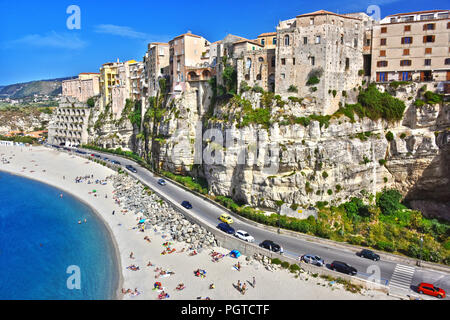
[268, 40]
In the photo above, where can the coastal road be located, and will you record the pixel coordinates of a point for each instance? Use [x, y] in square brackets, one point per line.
[399, 277]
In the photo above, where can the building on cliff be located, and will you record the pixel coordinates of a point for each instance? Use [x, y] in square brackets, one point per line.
[82, 88]
[189, 61]
[412, 46]
[156, 66]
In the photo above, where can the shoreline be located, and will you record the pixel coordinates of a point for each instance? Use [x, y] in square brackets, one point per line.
[116, 295]
[127, 238]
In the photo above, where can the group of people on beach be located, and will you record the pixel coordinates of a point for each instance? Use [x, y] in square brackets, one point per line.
[242, 287]
[82, 178]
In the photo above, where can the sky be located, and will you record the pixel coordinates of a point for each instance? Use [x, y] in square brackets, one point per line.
[36, 42]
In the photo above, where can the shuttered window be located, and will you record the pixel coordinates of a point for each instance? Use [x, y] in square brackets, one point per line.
[404, 63]
[382, 64]
[428, 39]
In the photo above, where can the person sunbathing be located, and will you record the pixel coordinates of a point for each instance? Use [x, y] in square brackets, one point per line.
[180, 287]
[149, 264]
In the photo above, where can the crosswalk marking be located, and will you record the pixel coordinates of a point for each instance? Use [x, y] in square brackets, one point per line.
[402, 277]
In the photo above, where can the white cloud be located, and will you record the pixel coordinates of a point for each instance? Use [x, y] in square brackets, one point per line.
[128, 32]
[50, 40]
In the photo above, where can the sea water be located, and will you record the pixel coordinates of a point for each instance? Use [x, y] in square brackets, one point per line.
[44, 252]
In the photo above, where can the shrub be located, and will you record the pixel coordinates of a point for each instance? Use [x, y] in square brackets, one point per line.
[294, 268]
[419, 103]
[344, 93]
[90, 102]
[245, 87]
[361, 72]
[285, 264]
[385, 246]
[312, 81]
[324, 174]
[257, 89]
[276, 261]
[389, 201]
[432, 98]
[292, 88]
[330, 192]
[389, 136]
[382, 162]
[403, 135]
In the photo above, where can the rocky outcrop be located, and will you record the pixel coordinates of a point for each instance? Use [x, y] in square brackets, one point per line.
[25, 120]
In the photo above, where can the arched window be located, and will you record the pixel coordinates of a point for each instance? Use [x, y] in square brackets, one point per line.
[249, 63]
[286, 40]
[261, 59]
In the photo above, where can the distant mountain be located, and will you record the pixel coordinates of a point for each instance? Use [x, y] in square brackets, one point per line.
[51, 87]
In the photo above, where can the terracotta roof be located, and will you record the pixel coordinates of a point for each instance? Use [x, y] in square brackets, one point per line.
[186, 34]
[162, 43]
[89, 73]
[323, 12]
[267, 34]
[249, 41]
[416, 12]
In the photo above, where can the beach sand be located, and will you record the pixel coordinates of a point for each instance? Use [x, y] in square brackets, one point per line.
[50, 166]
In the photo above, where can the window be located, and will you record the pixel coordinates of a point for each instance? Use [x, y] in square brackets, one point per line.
[283, 61]
[367, 42]
[428, 50]
[404, 63]
[383, 29]
[347, 63]
[428, 62]
[311, 21]
[293, 61]
[447, 61]
[305, 40]
[427, 17]
[406, 52]
[429, 26]
[407, 40]
[428, 39]
[355, 42]
[382, 53]
[342, 39]
[283, 76]
[313, 61]
[408, 28]
[161, 51]
[274, 40]
[286, 40]
[317, 39]
[273, 61]
[382, 64]
[382, 42]
[448, 25]
[263, 41]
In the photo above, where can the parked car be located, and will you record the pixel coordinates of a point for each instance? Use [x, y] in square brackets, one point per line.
[115, 162]
[186, 204]
[106, 159]
[244, 235]
[226, 218]
[310, 258]
[272, 246]
[343, 267]
[131, 168]
[226, 228]
[431, 290]
[162, 182]
[369, 255]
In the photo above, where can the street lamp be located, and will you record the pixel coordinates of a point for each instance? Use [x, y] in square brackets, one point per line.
[421, 249]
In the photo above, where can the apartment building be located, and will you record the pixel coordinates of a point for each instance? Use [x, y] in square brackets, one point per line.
[135, 81]
[157, 65]
[68, 126]
[188, 61]
[257, 68]
[320, 44]
[412, 46]
[108, 79]
[82, 88]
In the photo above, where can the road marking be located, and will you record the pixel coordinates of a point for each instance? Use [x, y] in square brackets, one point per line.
[402, 277]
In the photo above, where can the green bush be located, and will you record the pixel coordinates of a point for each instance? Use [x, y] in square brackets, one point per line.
[294, 268]
[382, 162]
[389, 136]
[385, 246]
[432, 98]
[285, 264]
[312, 81]
[292, 88]
[389, 201]
[276, 261]
[419, 103]
[258, 89]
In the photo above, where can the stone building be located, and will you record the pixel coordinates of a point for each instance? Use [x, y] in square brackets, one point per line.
[321, 45]
[188, 53]
[69, 123]
[82, 88]
[412, 46]
[257, 68]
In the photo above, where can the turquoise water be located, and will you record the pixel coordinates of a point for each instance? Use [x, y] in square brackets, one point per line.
[40, 238]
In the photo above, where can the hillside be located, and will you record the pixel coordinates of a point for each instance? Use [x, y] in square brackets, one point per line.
[51, 87]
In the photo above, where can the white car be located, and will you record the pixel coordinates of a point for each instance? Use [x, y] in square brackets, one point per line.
[243, 235]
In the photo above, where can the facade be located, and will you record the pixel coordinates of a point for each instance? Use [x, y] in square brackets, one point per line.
[257, 68]
[321, 44]
[108, 79]
[187, 52]
[412, 46]
[82, 88]
[268, 40]
[69, 123]
[157, 65]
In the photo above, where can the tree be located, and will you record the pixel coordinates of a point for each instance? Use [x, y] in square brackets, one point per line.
[389, 201]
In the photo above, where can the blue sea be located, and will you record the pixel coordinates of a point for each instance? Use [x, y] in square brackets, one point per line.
[44, 252]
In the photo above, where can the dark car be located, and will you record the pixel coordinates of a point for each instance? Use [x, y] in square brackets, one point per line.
[115, 162]
[186, 204]
[226, 228]
[97, 156]
[272, 246]
[343, 267]
[131, 168]
[369, 255]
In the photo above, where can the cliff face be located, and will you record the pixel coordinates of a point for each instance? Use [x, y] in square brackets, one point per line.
[314, 163]
[26, 120]
[298, 163]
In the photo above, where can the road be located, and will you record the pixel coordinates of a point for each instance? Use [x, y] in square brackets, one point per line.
[399, 277]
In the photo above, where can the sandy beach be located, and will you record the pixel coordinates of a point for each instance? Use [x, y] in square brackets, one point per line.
[60, 170]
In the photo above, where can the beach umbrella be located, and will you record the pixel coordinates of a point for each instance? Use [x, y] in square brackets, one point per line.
[94, 191]
[142, 221]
